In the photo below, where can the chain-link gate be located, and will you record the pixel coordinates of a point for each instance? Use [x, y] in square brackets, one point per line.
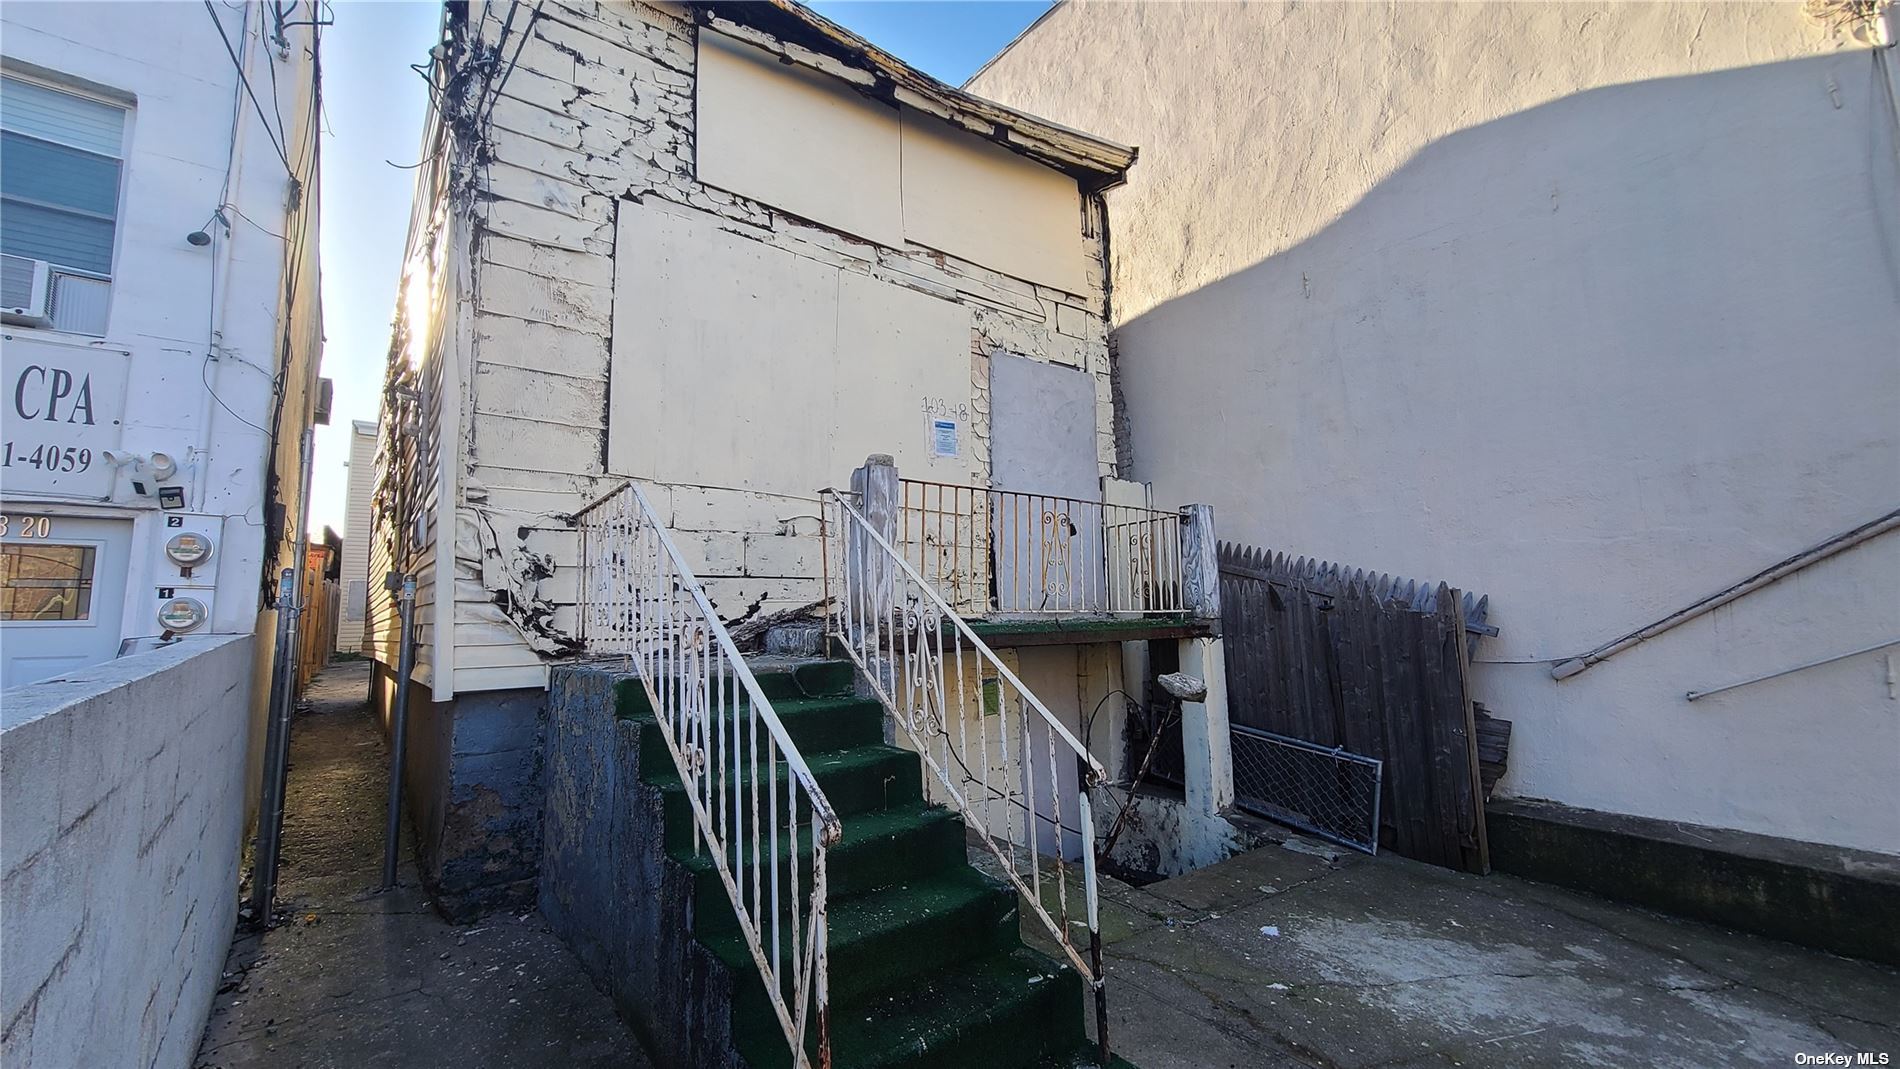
[1327, 791]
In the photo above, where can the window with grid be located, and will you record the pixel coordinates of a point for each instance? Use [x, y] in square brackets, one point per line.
[42, 582]
[61, 157]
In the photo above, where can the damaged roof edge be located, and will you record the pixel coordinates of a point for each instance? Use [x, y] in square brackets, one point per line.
[796, 34]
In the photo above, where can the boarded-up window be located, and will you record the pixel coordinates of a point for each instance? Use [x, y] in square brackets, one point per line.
[812, 145]
[796, 139]
[739, 364]
[980, 201]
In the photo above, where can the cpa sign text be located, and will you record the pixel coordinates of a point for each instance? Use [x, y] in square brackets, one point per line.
[63, 406]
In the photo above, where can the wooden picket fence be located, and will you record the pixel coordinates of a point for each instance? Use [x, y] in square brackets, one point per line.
[1371, 663]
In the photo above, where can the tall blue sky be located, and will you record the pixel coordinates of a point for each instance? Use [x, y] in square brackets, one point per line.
[374, 106]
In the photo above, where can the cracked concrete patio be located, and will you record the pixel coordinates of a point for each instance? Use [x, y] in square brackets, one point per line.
[1301, 954]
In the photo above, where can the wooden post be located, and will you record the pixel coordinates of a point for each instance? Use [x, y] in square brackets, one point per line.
[873, 573]
[1200, 563]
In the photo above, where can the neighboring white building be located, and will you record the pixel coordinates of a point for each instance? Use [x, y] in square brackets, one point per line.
[161, 335]
[1594, 308]
[158, 247]
[357, 520]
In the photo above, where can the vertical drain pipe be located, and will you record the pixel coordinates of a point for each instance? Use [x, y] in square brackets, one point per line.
[270, 817]
[399, 724]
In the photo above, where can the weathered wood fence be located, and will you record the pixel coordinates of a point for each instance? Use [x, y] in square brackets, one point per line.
[1374, 664]
[316, 630]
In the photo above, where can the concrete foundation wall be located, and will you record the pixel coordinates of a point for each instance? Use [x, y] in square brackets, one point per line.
[610, 892]
[473, 785]
[123, 791]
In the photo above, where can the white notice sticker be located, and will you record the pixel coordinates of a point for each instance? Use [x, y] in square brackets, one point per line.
[943, 437]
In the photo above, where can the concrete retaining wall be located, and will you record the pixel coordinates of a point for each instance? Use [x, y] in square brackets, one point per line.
[1825, 897]
[122, 792]
[609, 890]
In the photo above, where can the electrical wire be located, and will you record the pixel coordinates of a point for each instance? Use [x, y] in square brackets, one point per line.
[261, 228]
[270, 66]
[246, 83]
[494, 98]
[204, 376]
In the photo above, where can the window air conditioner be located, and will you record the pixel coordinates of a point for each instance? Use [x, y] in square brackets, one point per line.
[26, 291]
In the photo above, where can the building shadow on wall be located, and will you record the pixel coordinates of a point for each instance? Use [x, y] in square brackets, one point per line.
[1683, 291]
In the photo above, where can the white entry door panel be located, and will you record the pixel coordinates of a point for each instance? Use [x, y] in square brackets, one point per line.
[62, 593]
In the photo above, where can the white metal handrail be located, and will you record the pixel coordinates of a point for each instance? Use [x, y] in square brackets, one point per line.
[640, 600]
[997, 752]
[1010, 552]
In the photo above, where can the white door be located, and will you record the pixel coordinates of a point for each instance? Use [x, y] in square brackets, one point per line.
[62, 592]
[1047, 534]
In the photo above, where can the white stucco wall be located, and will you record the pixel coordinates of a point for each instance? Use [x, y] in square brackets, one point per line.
[119, 842]
[1592, 308]
[174, 305]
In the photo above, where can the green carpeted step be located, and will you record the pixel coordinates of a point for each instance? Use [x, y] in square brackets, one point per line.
[815, 679]
[855, 781]
[1085, 1056]
[879, 849]
[816, 725]
[886, 939]
[927, 969]
[818, 679]
[1009, 1009]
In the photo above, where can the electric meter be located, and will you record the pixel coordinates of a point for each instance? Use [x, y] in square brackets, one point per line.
[179, 615]
[188, 549]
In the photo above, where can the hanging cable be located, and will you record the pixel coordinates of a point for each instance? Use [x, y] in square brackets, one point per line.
[484, 114]
[246, 83]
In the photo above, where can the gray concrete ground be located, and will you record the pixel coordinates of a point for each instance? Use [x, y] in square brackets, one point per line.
[1312, 956]
[1294, 954]
[352, 978]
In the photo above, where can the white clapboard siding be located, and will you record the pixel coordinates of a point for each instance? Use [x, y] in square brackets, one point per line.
[599, 106]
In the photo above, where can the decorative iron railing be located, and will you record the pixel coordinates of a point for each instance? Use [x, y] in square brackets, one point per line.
[1019, 778]
[757, 809]
[1000, 551]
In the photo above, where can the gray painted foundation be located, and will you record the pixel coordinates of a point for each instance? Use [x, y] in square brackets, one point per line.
[609, 890]
[474, 788]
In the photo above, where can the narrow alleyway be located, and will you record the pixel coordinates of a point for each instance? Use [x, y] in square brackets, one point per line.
[352, 978]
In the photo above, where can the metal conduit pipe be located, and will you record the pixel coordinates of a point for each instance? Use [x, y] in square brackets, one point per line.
[1694, 694]
[1813, 555]
[399, 725]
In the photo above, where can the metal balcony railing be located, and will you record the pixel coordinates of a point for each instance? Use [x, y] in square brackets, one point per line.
[757, 809]
[1019, 778]
[1004, 552]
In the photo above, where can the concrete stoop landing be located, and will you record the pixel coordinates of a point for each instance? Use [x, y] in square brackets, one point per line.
[927, 965]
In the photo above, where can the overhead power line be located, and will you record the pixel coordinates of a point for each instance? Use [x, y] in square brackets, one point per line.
[246, 83]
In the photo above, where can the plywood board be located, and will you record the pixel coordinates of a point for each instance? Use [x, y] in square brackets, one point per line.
[738, 364]
[981, 202]
[797, 140]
